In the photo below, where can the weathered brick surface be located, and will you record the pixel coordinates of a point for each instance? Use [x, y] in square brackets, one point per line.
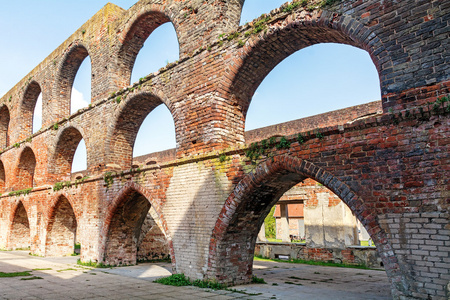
[392, 170]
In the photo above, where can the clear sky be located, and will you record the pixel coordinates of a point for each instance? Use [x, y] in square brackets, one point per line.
[314, 80]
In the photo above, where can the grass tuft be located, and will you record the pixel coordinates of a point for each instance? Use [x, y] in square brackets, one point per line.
[15, 274]
[31, 278]
[182, 280]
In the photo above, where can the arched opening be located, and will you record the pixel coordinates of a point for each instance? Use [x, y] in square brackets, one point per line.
[63, 158]
[153, 37]
[19, 237]
[30, 99]
[237, 228]
[80, 158]
[81, 90]
[265, 51]
[4, 126]
[25, 170]
[310, 222]
[68, 96]
[328, 85]
[128, 123]
[160, 48]
[61, 230]
[157, 132]
[135, 233]
[37, 115]
[2, 177]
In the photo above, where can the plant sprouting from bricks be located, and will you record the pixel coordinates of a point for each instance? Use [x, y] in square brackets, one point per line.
[319, 135]
[256, 150]
[20, 192]
[108, 179]
[284, 143]
[292, 6]
[223, 158]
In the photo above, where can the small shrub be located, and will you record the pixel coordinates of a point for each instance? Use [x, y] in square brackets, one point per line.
[258, 280]
[233, 35]
[174, 280]
[20, 192]
[292, 6]
[222, 157]
[55, 126]
[284, 143]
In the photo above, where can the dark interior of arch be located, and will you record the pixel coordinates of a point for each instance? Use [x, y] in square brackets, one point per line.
[29, 103]
[268, 53]
[127, 127]
[2, 177]
[134, 234]
[20, 230]
[61, 232]
[26, 168]
[73, 60]
[4, 126]
[65, 151]
[125, 229]
[135, 40]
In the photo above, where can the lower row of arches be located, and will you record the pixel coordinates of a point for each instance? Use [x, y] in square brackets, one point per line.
[135, 230]
[134, 234]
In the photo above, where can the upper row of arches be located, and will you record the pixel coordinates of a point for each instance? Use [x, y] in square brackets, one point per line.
[139, 30]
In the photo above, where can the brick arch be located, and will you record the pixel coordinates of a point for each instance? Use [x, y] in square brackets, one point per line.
[266, 50]
[62, 194]
[126, 124]
[27, 106]
[137, 29]
[67, 70]
[4, 126]
[127, 255]
[61, 227]
[236, 229]
[26, 169]
[67, 142]
[2, 177]
[19, 227]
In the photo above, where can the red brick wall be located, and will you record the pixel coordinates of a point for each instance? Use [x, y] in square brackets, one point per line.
[390, 169]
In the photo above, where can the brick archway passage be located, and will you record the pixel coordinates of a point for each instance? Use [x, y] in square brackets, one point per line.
[61, 229]
[135, 229]
[19, 236]
[394, 163]
[234, 236]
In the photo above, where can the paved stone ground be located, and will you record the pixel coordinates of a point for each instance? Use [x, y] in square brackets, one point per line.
[63, 279]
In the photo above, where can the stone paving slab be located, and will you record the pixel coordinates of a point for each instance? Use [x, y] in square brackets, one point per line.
[66, 280]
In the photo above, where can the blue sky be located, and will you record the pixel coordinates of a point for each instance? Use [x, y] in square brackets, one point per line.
[314, 80]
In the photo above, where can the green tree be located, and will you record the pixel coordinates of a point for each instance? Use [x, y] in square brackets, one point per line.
[269, 223]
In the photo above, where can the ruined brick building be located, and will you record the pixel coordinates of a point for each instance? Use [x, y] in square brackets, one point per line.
[212, 193]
